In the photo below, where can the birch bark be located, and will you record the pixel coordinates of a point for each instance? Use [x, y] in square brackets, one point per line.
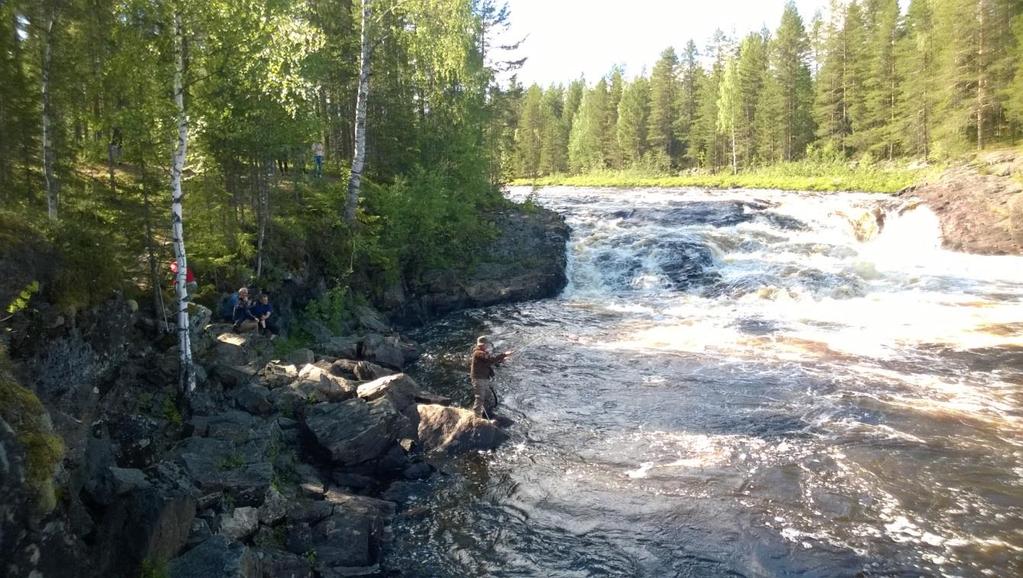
[187, 369]
[359, 156]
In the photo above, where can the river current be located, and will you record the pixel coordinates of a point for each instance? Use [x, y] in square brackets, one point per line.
[733, 384]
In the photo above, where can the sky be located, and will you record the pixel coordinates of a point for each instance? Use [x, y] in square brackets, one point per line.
[566, 38]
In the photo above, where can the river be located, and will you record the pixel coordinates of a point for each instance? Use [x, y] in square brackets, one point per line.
[733, 385]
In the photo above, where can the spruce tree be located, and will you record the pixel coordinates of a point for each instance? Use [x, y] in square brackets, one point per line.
[586, 142]
[529, 132]
[612, 154]
[663, 100]
[915, 56]
[633, 113]
[691, 74]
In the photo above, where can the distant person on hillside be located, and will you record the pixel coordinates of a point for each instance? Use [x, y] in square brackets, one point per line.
[481, 372]
[318, 158]
[242, 310]
[190, 285]
[262, 312]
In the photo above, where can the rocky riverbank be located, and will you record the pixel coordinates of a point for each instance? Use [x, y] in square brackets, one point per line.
[980, 204]
[276, 471]
[273, 467]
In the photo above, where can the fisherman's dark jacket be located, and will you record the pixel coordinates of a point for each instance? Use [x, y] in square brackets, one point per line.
[482, 364]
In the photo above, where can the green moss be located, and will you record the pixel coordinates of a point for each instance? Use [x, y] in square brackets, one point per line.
[154, 569]
[23, 411]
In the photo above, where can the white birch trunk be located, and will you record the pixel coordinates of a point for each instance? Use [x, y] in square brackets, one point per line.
[52, 199]
[359, 155]
[187, 370]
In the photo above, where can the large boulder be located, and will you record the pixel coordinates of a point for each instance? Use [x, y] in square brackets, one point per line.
[387, 351]
[354, 432]
[242, 471]
[526, 260]
[359, 370]
[148, 524]
[455, 430]
[980, 207]
[401, 389]
[317, 383]
[348, 540]
[216, 557]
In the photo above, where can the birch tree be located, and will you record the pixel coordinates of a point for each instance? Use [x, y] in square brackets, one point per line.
[52, 186]
[359, 155]
[187, 369]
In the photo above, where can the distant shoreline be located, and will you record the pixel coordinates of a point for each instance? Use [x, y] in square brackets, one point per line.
[799, 176]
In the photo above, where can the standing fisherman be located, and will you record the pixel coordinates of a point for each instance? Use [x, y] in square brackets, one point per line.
[481, 372]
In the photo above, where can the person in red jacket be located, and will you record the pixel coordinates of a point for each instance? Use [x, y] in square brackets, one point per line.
[481, 372]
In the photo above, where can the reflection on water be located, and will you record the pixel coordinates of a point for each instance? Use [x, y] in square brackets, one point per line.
[733, 385]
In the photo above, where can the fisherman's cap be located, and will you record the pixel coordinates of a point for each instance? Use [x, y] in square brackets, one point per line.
[482, 339]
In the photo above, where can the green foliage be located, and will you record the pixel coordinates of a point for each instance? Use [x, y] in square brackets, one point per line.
[91, 269]
[171, 412]
[821, 173]
[334, 309]
[154, 569]
[21, 301]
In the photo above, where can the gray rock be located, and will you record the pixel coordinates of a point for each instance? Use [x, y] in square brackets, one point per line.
[400, 389]
[371, 319]
[274, 509]
[275, 374]
[345, 347]
[253, 399]
[310, 512]
[301, 357]
[278, 564]
[350, 540]
[386, 351]
[353, 432]
[199, 534]
[359, 370]
[216, 465]
[240, 523]
[417, 471]
[147, 524]
[455, 430]
[216, 557]
[319, 384]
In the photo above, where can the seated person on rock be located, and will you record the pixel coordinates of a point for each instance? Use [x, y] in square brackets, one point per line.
[230, 304]
[262, 312]
[242, 313]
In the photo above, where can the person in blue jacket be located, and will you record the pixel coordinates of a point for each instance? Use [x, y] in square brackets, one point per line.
[262, 312]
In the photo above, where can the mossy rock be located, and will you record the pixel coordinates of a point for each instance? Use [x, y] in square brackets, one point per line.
[25, 414]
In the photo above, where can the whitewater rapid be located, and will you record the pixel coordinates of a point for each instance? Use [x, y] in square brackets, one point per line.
[740, 383]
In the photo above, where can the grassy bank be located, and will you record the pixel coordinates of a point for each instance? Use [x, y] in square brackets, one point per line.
[796, 176]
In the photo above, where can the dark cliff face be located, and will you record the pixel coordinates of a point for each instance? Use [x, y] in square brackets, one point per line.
[980, 205]
[525, 261]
